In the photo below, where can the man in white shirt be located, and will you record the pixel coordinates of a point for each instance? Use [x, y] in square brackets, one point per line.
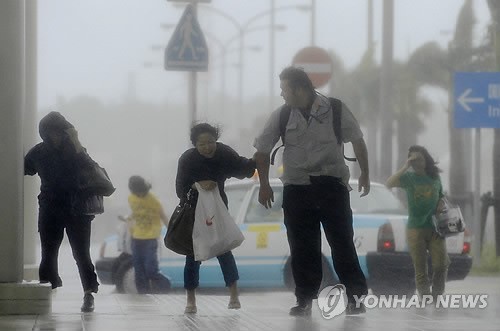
[316, 189]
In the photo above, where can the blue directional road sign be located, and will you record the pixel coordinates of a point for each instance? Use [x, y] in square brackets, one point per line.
[187, 49]
[477, 100]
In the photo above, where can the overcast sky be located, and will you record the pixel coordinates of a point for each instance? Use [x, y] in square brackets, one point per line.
[91, 47]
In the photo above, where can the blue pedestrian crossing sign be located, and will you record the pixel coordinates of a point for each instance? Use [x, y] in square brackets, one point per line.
[477, 100]
[187, 49]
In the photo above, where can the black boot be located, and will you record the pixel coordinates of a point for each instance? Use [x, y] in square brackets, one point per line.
[88, 303]
[303, 308]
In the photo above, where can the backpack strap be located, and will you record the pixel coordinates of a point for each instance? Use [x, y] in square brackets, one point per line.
[284, 116]
[336, 105]
[337, 124]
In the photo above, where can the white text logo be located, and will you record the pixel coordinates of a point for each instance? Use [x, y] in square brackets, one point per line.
[452, 301]
[332, 301]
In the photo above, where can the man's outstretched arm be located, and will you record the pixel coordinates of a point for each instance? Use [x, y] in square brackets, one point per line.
[266, 195]
[361, 152]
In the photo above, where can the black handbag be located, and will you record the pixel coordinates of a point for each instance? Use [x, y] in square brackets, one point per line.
[85, 204]
[179, 236]
[93, 183]
[94, 179]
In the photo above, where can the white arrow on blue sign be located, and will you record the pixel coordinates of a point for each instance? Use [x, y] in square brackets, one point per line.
[477, 100]
[187, 49]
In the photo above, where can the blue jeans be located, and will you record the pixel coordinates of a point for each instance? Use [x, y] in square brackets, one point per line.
[145, 260]
[192, 270]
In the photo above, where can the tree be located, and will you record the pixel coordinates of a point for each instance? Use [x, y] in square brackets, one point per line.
[409, 108]
[436, 67]
[460, 53]
[365, 97]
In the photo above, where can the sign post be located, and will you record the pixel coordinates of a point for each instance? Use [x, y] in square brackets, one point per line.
[187, 51]
[477, 105]
[316, 63]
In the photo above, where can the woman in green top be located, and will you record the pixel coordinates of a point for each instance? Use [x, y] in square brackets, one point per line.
[424, 192]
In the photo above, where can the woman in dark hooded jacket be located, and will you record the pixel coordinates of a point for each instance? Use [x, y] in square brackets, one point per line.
[57, 160]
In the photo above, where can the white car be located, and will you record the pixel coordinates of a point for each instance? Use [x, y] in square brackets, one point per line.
[263, 259]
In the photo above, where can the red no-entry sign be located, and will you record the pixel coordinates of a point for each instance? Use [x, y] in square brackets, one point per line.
[316, 63]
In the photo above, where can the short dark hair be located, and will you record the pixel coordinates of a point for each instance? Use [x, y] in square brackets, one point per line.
[138, 185]
[203, 128]
[297, 78]
[431, 168]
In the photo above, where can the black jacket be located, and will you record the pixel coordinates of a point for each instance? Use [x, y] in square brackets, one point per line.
[194, 167]
[57, 167]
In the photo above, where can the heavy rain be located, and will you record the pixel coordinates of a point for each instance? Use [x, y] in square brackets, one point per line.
[134, 76]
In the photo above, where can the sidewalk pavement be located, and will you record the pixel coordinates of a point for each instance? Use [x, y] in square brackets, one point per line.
[261, 310]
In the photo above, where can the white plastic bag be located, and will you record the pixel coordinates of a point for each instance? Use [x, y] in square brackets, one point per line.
[214, 230]
[449, 221]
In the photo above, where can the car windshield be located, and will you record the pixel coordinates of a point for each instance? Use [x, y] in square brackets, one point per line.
[256, 213]
[379, 201]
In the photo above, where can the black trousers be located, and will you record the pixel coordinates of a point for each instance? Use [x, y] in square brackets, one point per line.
[52, 220]
[326, 201]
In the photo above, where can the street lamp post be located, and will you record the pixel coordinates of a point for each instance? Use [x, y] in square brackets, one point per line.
[385, 169]
[192, 92]
[224, 47]
[272, 45]
[241, 46]
[224, 50]
[241, 37]
[243, 28]
[313, 22]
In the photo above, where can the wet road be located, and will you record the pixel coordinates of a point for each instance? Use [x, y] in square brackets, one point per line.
[260, 311]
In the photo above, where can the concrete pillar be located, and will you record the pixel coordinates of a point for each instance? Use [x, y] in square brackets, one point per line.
[16, 297]
[386, 80]
[11, 148]
[31, 183]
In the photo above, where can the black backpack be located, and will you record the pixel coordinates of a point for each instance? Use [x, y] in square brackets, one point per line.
[336, 105]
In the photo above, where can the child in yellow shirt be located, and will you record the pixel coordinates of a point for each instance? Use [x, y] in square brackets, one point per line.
[145, 227]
